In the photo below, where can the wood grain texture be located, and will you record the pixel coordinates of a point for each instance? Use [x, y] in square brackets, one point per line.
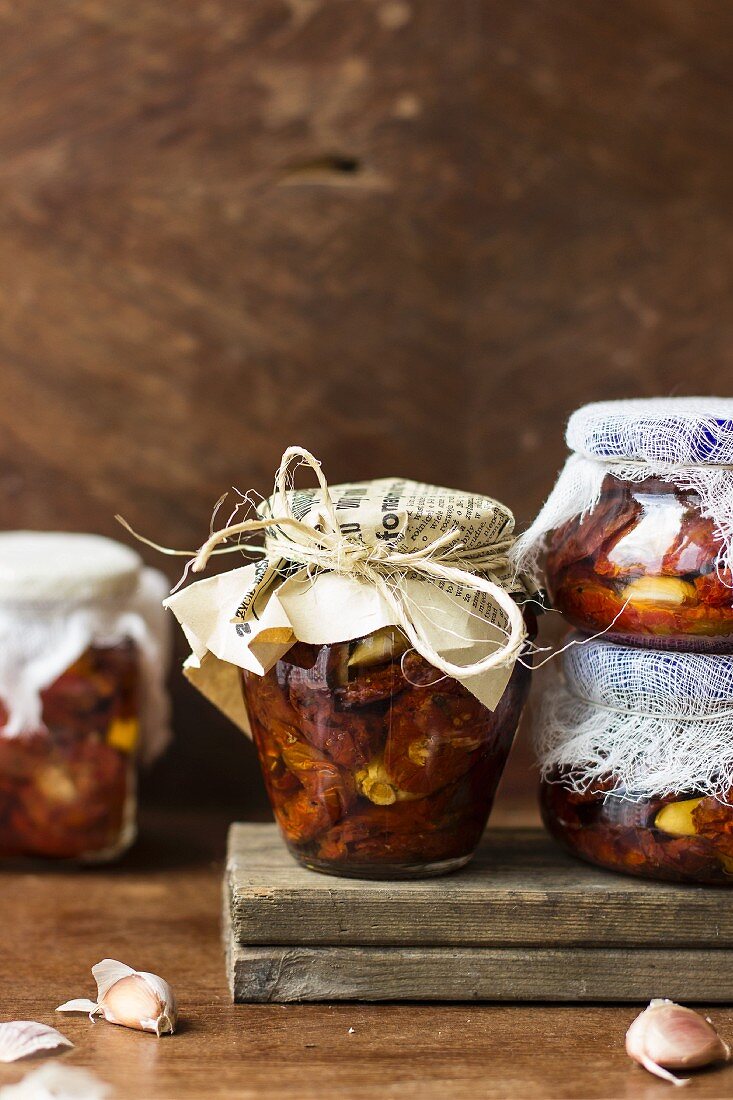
[302, 974]
[520, 890]
[159, 910]
[410, 235]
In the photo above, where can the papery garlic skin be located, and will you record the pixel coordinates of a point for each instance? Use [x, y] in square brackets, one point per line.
[130, 998]
[667, 1036]
[55, 1081]
[22, 1038]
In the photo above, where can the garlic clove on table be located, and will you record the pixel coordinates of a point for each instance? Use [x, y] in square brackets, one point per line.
[667, 1036]
[130, 998]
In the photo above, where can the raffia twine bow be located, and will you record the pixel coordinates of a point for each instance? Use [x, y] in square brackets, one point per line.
[328, 550]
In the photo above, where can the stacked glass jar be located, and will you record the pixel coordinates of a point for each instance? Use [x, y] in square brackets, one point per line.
[636, 743]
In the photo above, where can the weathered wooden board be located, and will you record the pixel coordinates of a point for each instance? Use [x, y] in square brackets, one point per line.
[522, 922]
[521, 890]
[478, 974]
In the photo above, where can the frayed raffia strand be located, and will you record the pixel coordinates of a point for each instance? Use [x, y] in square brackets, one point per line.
[328, 549]
[182, 553]
[574, 640]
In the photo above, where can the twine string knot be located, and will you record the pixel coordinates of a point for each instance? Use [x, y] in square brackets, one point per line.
[321, 546]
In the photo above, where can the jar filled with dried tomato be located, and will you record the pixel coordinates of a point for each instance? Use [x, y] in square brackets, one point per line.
[83, 651]
[375, 649]
[635, 538]
[636, 751]
[375, 762]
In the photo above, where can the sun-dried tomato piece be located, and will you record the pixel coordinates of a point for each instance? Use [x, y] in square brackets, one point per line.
[370, 685]
[325, 795]
[587, 537]
[349, 737]
[434, 828]
[715, 590]
[434, 735]
[695, 547]
[269, 706]
[714, 821]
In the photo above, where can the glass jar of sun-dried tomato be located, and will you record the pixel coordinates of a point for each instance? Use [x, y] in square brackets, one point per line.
[376, 763]
[636, 536]
[82, 658]
[377, 653]
[636, 751]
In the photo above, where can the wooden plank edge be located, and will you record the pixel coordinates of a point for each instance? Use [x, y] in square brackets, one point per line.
[302, 974]
[287, 918]
[228, 943]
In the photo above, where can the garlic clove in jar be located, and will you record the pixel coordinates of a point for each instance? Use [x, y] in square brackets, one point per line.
[386, 644]
[663, 591]
[130, 998]
[375, 783]
[667, 1036]
[676, 817]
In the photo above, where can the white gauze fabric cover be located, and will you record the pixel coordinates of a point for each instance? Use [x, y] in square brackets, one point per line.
[40, 641]
[657, 722]
[687, 441]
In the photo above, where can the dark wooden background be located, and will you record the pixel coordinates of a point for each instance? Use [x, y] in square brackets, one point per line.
[409, 234]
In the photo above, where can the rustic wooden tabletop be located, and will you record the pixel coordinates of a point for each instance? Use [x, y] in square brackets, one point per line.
[159, 910]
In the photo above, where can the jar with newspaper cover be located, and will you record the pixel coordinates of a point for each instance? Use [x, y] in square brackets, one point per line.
[636, 751]
[376, 644]
[635, 538]
[83, 652]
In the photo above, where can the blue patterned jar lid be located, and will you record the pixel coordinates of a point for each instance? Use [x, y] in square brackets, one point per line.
[674, 431]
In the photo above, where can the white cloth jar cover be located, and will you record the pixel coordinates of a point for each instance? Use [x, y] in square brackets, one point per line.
[687, 441]
[656, 722]
[61, 593]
